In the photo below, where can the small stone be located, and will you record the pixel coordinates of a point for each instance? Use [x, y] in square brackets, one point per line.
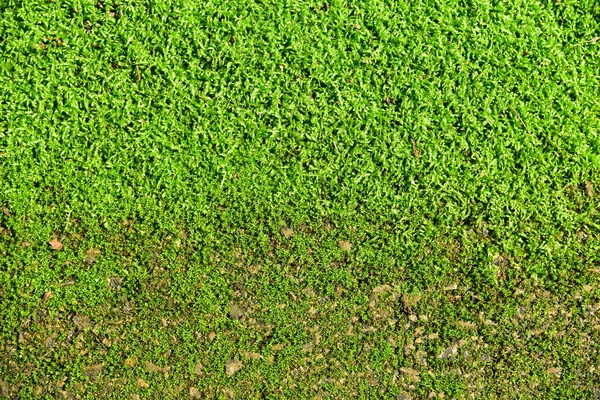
[55, 244]
[4, 389]
[254, 269]
[81, 322]
[198, 368]
[344, 245]
[232, 367]
[195, 393]
[91, 255]
[114, 283]
[131, 361]
[554, 371]
[287, 233]
[449, 352]
[236, 311]
[150, 367]
[409, 371]
[410, 300]
[452, 286]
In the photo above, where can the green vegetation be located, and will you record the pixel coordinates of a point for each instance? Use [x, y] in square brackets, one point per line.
[293, 199]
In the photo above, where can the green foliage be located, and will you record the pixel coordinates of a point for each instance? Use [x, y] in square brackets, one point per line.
[453, 145]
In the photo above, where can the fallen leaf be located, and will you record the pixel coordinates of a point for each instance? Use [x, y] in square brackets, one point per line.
[449, 352]
[91, 255]
[554, 371]
[131, 361]
[47, 296]
[114, 282]
[92, 371]
[344, 245]
[404, 396]
[452, 286]
[142, 383]
[56, 244]
[253, 269]
[409, 371]
[251, 355]
[500, 260]
[410, 300]
[5, 211]
[287, 232]
[589, 190]
[467, 325]
[381, 289]
[198, 369]
[150, 367]
[235, 311]
[211, 336]
[81, 321]
[232, 367]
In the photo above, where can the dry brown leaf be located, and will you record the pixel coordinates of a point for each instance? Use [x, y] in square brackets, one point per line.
[235, 311]
[56, 244]
[589, 189]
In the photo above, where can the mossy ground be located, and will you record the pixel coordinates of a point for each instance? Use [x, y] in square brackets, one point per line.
[293, 199]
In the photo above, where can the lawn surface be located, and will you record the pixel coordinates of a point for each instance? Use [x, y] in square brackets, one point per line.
[292, 199]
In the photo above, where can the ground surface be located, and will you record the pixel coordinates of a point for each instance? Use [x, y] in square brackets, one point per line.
[293, 199]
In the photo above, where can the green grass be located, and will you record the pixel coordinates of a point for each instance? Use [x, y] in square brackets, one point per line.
[438, 164]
